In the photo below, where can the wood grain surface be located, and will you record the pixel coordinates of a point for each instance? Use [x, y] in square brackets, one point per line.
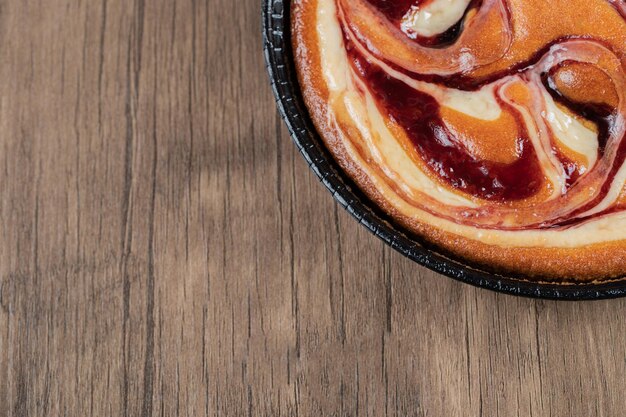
[164, 251]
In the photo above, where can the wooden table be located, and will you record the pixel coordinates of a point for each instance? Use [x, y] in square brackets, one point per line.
[165, 251]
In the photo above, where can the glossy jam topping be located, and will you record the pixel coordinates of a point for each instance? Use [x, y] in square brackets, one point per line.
[395, 10]
[419, 115]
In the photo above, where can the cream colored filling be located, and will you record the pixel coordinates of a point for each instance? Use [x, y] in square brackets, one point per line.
[571, 132]
[434, 18]
[386, 150]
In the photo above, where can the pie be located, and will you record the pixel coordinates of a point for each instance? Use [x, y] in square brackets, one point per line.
[493, 129]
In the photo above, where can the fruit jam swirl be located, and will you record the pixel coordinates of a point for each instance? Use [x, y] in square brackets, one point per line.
[475, 115]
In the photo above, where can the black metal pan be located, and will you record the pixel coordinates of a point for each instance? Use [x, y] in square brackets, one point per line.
[280, 65]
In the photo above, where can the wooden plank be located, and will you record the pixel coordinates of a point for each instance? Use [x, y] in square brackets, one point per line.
[165, 251]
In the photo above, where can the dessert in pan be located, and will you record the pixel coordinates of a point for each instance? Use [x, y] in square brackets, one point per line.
[494, 129]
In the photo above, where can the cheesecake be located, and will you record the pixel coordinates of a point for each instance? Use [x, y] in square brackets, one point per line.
[494, 130]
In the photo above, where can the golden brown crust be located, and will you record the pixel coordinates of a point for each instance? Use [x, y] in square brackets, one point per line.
[599, 262]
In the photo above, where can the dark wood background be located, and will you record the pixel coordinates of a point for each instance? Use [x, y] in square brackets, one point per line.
[164, 250]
